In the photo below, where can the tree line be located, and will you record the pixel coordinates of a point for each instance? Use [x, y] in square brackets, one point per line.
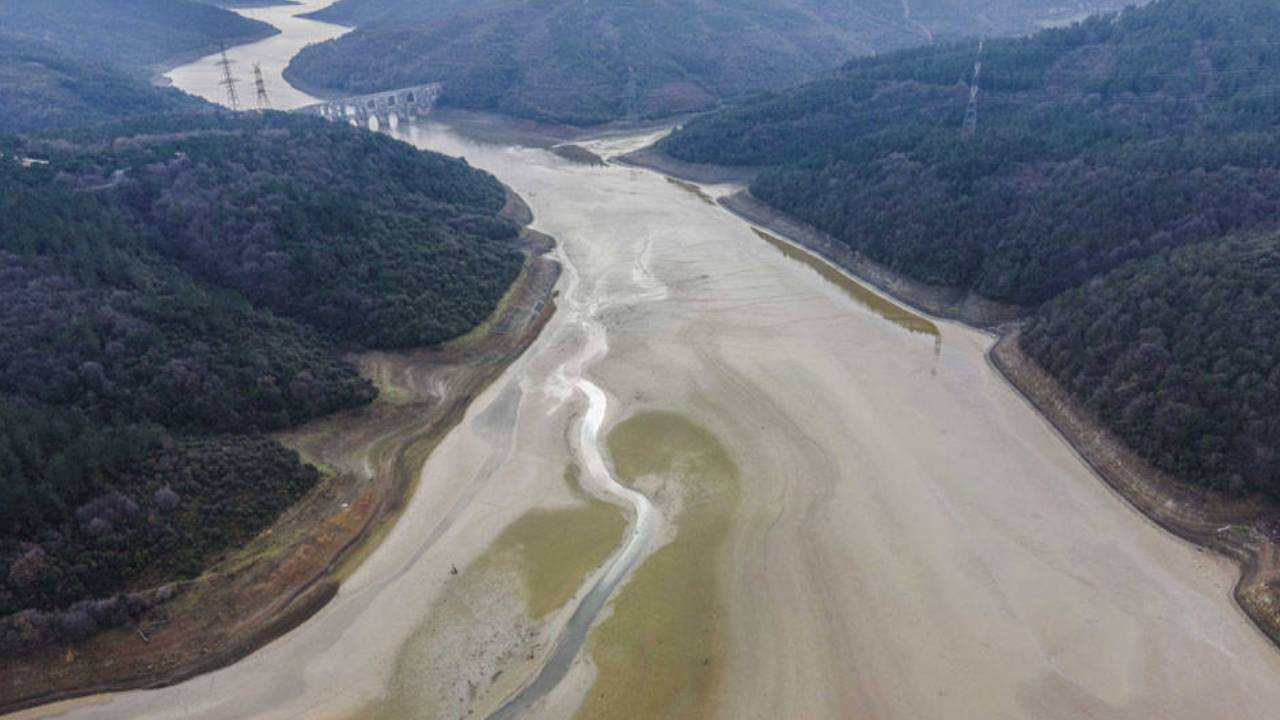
[174, 287]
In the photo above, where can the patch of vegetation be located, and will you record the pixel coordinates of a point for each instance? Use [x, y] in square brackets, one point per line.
[1179, 354]
[174, 287]
[553, 550]
[856, 291]
[659, 652]
[43, 89]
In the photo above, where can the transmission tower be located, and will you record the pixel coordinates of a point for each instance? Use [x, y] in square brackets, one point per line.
[228, 81]
[264, 102]
[971, 112]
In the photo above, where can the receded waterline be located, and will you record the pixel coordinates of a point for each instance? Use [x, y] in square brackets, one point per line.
[867, 298]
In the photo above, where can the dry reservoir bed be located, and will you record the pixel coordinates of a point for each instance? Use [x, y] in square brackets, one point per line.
[857, 518]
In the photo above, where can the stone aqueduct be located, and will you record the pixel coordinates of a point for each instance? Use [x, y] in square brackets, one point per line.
[403, 104]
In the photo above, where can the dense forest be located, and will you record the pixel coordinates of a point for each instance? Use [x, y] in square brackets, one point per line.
[600, 60]
[42, 89]
[133, 34]
[1180, 355]
[171, 289]
[1096, 147]
[1151, 129]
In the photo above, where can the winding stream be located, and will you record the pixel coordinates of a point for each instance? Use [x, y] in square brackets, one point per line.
[597, 479]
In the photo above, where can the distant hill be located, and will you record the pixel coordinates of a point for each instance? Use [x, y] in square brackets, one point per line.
[42, 89]
[1108, 162]
[173, 288]
[600, 60]
[134, 34]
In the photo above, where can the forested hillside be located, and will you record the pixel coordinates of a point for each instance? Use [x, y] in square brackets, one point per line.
[1180, 355]
[1096, 144]
[1096, 149]
[600, 60]
[42, 89]
[133, 34]
[172, 288]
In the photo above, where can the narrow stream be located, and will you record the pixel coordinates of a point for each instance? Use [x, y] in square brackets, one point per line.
[596, 478]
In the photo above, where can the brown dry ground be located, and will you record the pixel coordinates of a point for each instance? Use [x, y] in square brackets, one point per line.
[369, 459]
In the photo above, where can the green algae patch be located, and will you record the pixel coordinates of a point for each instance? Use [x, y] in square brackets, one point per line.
[553, 550]
[659, 654]
[862, 295]
[490, 619]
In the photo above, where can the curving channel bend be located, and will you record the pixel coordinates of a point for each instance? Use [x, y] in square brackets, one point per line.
[595, 477]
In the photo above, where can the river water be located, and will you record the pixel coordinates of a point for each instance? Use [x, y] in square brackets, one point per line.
[272, 55]
[913, 541]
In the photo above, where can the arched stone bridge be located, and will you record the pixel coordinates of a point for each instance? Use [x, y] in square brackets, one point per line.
[403, 104]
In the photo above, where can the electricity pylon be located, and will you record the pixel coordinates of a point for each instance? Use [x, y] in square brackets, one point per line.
[971, 112]
[264, 102]
[228, 81]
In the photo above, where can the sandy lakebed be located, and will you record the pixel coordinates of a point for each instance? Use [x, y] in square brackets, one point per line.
[856, 517]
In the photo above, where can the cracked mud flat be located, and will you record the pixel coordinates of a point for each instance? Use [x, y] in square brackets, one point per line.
[908, 540]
